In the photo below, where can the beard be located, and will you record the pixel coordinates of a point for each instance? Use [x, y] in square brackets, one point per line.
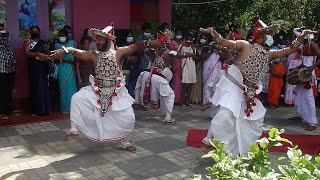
[104, 46]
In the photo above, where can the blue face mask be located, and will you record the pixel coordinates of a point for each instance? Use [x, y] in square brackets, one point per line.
[269, 41]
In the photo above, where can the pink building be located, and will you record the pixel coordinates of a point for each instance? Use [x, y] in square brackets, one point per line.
[80, 14]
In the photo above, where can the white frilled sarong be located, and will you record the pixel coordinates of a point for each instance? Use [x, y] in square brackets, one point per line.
[231, 124]
[160, 92]
[117, 123]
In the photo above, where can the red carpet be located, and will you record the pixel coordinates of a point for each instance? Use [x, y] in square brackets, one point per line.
[309, 144]
[28, 118]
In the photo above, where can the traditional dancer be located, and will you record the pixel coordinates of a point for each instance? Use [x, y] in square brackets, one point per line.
[212, 72]
[240, 117]
[305, 99]
[153, 89]
[103, 111]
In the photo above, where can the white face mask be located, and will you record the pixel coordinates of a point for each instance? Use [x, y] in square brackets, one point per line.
[129, 39]
[269, 41]
[280, 37]
[203, 41]
[147, 34]
[178, 36]
[283, 46]
[3, 31]
[310, 36]
[62, 39]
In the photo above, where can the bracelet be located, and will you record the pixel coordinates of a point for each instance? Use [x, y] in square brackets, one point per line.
[219, 39]
[296, 43]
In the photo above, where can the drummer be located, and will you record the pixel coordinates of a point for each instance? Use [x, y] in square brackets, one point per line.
[305, 100]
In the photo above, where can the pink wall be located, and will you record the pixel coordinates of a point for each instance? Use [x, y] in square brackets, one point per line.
[99, 14]
[165, 11]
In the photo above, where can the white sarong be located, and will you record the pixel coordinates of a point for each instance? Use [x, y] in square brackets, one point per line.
[304, 100]
[117, 123]
[231, 124]
[161, 94]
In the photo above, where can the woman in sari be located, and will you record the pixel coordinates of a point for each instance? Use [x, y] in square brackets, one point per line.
[176, 84]
[66, 73]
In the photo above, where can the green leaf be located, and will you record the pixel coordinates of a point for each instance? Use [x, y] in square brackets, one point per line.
[281, 158]
[317, 159]
[285, 170]
[272, 133]
[264, 142]
[254, 148]
[285, 140]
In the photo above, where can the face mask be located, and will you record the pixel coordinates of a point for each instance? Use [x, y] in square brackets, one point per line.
[129, 39]
[203, 41]
[269, 41]
[179, 37]
[69, 35]
[35, 35]
[310, 36]
[280, 37]
[283, 46]
[62, 39]
[3, 31]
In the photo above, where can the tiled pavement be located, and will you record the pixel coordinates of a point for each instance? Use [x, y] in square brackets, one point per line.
[36, 151]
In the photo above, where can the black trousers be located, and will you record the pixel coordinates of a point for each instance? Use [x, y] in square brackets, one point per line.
[6, 88]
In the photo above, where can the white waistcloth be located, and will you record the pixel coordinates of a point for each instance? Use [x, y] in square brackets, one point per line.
[188, 65]
[117, 123]
[239, 133]
[305, 105]
[161, 94]
[231, 124]
[229, 95]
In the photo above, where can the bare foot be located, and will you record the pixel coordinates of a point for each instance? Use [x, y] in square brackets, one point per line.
[130, 149]
[205, 148]
[69, 137]
[204, 108]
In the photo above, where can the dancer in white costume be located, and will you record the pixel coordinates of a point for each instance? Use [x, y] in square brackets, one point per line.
[153, 89]
[240, 117]
[304, 99]
[212, 72]
[103, 111]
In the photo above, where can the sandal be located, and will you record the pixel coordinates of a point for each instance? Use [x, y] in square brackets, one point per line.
[310, 128]
[169, 122]
[70, 136]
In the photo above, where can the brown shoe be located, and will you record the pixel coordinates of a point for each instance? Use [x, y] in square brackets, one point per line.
[169, 122]
[310, 128]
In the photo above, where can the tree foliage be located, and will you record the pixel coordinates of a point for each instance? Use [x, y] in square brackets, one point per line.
[244, 13]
